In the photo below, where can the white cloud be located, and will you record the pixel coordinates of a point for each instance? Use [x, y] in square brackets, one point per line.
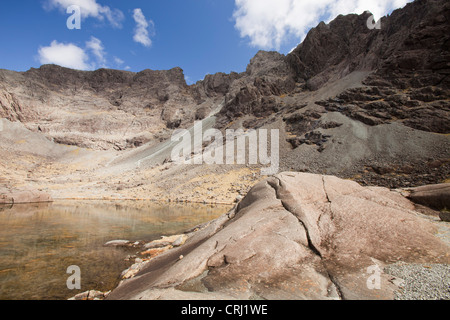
[118, 61]
[96, 46]
[188, 80]
[269, 23]
[141, 32]
[89, 8]
[65, 55]
[69, 55]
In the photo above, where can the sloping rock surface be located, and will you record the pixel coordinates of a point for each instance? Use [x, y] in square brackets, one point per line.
[295, 236]
[435, 196]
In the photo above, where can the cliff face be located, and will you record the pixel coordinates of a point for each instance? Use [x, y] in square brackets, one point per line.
[412, 43]
[102, 109]
[409, 57]
[410, 51]
[411, 62]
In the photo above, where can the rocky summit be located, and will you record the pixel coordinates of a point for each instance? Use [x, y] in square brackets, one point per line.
[363, 116]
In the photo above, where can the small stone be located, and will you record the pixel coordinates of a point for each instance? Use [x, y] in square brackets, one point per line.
[398, 282]
[156, 244]
[82, 296]
[179, 241]
[156, 251]
[116, 243]
[95, 295]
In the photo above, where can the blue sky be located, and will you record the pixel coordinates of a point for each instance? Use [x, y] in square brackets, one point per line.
[200, 36]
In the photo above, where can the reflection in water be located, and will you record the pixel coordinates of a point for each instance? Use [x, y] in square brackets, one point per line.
[39, 241]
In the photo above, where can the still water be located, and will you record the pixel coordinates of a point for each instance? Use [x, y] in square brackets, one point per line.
[38, 242]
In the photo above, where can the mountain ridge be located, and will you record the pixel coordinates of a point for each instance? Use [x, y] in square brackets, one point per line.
[357, 102]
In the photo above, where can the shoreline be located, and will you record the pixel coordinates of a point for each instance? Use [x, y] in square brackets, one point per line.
[156, 271]
[151, 250]
[148, 199]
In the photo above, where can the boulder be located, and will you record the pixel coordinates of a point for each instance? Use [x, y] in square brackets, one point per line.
[436, 196]
[175, 240]
[295, 236]
[14, 196]
[445, 215]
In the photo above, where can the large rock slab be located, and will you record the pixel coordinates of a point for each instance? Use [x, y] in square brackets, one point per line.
[13, 196]
[295, 236]
[436, 196]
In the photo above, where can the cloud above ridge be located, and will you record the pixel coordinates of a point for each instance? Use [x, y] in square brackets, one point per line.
[143, 28]
[69, 55]
[267, 24]
[64, 55]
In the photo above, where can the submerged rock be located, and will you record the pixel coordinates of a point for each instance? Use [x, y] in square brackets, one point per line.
[117, 243]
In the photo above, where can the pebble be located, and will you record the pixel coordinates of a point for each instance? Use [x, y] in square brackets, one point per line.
[116, 243]
[179, 241]
[421, 282]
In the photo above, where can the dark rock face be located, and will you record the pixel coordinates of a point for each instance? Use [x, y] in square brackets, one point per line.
[219, 83]
[411, 49]
[424, 109]
[267, 76]
[341, 46]
[411, 60]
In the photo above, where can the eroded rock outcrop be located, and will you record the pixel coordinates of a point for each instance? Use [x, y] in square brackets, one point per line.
[294, 236]
[411, 62]
[15, 196]
[434, 196]
[101, 109]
